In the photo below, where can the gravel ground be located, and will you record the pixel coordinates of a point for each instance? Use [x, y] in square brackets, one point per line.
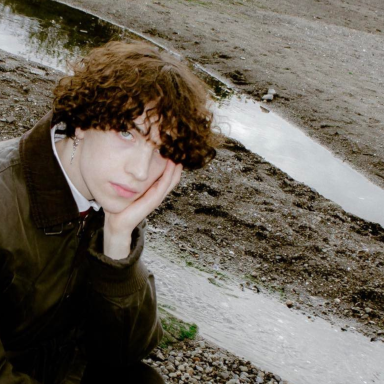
[198, 361]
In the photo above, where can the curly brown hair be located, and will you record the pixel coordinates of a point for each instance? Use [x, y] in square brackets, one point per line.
[111, 86]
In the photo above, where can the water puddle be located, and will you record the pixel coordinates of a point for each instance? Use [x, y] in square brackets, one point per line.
[263, 330]
[254, 326]
[291, 150]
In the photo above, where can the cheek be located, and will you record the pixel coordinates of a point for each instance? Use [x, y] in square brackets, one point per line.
[157, 169]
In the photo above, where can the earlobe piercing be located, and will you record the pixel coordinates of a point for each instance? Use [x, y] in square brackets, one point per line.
[76, 142]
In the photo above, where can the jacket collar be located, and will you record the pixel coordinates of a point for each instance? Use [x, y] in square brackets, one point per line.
[50, 197]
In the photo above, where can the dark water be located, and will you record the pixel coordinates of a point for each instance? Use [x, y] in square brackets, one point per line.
[39, 31]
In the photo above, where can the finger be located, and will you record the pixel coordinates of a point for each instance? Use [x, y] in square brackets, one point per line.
[157, 192]
[165, 179]
[175, 178]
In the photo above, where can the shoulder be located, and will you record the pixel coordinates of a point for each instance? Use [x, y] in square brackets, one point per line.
[12, 183]
[9, 154]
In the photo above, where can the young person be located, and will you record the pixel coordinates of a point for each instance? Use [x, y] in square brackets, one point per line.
[77, 304]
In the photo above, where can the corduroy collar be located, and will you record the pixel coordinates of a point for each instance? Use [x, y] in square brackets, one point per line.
[50, 197]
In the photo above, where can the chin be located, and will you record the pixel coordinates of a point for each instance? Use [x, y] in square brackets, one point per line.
[115, 207]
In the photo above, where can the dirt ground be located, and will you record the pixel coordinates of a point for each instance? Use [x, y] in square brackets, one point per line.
[247, 218]
[241, 214]
[323, 57]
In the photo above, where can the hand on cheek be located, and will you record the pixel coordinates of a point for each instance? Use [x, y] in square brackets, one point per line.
[118, 227]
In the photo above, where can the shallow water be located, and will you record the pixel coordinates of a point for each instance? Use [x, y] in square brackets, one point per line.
[265, 331]
[254, 326]
[291, 150]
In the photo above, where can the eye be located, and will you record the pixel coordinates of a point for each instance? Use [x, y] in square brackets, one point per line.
[126, 135]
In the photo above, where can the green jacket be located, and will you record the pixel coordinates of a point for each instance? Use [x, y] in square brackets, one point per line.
[58, 292]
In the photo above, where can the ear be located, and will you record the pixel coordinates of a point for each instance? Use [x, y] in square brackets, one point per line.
[79, 133]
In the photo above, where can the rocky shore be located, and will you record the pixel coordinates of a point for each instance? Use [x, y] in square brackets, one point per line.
[198, 361]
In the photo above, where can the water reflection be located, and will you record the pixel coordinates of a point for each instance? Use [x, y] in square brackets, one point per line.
[37, 31]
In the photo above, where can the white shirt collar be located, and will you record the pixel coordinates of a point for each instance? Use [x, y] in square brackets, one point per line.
[82, 203]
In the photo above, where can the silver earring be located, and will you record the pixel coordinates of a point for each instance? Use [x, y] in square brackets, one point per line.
[75, 145]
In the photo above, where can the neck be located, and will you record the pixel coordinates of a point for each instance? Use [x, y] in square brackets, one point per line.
[64, 150]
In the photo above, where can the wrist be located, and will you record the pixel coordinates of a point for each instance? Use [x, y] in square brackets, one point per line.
[117, 246]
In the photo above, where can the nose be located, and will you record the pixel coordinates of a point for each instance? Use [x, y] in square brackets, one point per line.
[140, 164]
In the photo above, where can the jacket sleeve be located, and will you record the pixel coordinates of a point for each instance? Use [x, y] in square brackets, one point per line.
[7, 373]
[122, 324]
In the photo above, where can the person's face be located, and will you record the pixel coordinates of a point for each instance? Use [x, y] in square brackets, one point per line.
[119, 167]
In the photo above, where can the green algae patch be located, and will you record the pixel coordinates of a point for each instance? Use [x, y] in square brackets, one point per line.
[175, 330]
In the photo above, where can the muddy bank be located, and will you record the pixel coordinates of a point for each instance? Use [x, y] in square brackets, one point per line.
[323, 58]
[25, 96]
[184, 356]
[244, 216]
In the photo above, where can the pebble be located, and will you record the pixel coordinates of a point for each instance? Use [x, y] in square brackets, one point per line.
[268, 97]
[271, 91]
[36, 71]
[289, 303]
[199, 361]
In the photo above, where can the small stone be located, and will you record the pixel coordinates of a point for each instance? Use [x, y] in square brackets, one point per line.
[267, 97]
[160, 356]
[243, 368]
[170, 368]
[36, 71]
[224, 375]
[201, 344]
[368, 310]
[289, 303]
[337, 301]
[10, 119]
[271, 91]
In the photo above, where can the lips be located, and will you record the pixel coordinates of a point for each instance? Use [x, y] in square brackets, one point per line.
[123, 191]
